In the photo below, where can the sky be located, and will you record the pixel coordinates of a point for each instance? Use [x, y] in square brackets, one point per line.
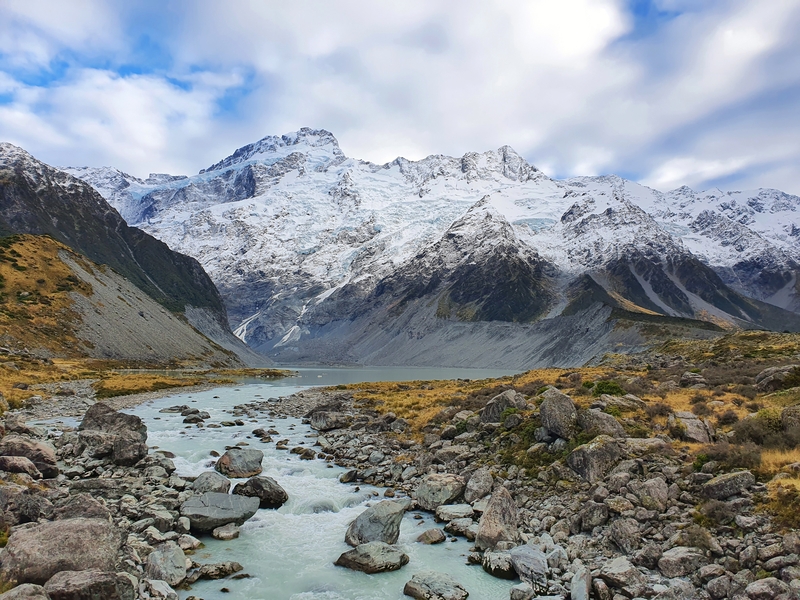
[703, 93]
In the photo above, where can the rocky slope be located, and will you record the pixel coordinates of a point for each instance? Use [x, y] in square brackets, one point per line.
[323, 257]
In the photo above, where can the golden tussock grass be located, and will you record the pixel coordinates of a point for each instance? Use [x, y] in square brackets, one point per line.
[773, 460]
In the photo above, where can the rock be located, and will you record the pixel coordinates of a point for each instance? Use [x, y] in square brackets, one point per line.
[373, 557]
[35, 554]
[719, 587]
[772, 379]
[621, 574]
[499, 522]
[439, 488]
[325, 421]
[581, 584]
[430, 585]
[596, 422]
[522, 591]
[653, 493]
[211, 481]
[101, 417]
[19, 464]
[498, 564]
[727, 485]
[26, 591]
[42, 455]
[89, 585]
[214, 571]
[558, 414]
[459, 527]
[82, 505]
[448, 512]
[689, 379]
[680, 561]
[479, 485]
[240, 462]
[128, 449]
[156, 590]
[593, 514]
[379, 523]
[432, 536]
[211, 510]
[495, 407]
[530, 563]
[625, 534]
[692, 428]
[266, 489]
[168, 563]
[226, 532]
[593, 460]
[766, 589]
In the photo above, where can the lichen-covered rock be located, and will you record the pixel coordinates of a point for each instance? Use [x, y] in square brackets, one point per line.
[558, 413]
[430, 585]
[691, 427]
[621, 574]
[101, 417]
[89, 585]
[211, 510]
[448, 512]
[167, 563]
[439, 488]
[593, 460]
[680, 561]
[498, 522]
[326, 421]
[495, 407]
[767, 589]
[373, 557]
[727, 485]
[530, 563]
[211, 481]
[26, 591]
[479, 485]
[596, 422]
[379, 523]
[240, 462]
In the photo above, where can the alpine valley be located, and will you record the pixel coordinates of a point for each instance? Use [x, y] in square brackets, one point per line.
[477, 261]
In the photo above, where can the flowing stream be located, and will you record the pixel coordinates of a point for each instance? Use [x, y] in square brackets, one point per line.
[289, 552]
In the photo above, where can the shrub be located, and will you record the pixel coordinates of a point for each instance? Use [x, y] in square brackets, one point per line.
[753, 406]
[734, 456]
[588, 384]
[718, 513]
[697, 399]
[729, 417]
[702, 410]
[658, 409]
[612, 388]
[784, 506]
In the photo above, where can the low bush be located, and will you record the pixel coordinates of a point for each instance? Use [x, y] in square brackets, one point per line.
[729, 417]
[702, 409]
[718, 513]
[784, 506]
[734, 456]
[612, 388]
[658, 409]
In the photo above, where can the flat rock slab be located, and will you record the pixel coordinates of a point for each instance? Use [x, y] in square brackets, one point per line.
[430, 585]
[727, 485]
[69, 585]
[373, 557]
[447, 512]
[240, 462]
[26, 591]
[211, 510]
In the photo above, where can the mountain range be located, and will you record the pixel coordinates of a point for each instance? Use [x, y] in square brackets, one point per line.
[481, 260]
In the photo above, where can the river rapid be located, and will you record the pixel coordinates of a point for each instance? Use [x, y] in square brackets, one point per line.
[289, 552]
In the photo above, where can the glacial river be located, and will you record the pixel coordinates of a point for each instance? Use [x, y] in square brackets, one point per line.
[289, 552]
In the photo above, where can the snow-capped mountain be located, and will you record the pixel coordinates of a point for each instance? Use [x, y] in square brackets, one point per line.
[307, 245]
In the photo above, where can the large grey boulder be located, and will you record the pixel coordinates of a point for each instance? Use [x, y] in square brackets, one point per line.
[128, 449]
[625, 534]
[594, 421]
[26, 591]
[430, 585]
[479, 485]
[530, 563]
[211, 481]
[211, 510]
[266, 489]
[379, 523]
[41, 454]
[439, 488]
[498, 522]
[558, 413]
[90, 585]
[621, 574]
[773, 378]
[373, 557]
[449, 512]
[681, 561]
[691, 427]
[581, 584]
[498, 564]
[593, 460]
[19, 464]
[156, 589]
[35, 554]
[653, 493]
[767, 589]
[82, 505]
[167, 563]
[495, 407]
[101, 417]
[240, 462]
[727, 485]
[325, 420]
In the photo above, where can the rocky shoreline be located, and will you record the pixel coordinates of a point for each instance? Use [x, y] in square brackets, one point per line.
[616, 517]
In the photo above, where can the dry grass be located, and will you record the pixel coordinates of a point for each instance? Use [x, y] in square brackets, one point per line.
[773, 461]
[116, 384]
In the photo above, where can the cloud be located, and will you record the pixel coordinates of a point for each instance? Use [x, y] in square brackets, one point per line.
[679, 93]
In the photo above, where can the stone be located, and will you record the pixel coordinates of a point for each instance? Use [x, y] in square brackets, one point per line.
[432, 536]
[680, 561]
[479, 485]
[727, 485]
[621, 574]
[593, 514]
[691, 427]
[128, 449]
[593, 460]
[101, 417]
[378, 523]
[448, 512]
[156, 590]
[596, 422]
[326, 421]
[653, 493]
[499, 522]
[82, 505]
[89, 585]
[226, 532]
[26, 591]
[581, 584]
[495, 407]
[689, 379]
[719, 587]
[167, 563]
[522, 591]
[530, 563]
[35, 554]
[625, 534]
[498, 564]
[439, 488]
[214, 571]
[211, 510]
[240, 462]
[459, 526]
[558, 414]
[430, 585]
[772, 379]
[766, 589]
[19, 464]
[211, 481]
[42, 455]
[373, 557]
[266, 489]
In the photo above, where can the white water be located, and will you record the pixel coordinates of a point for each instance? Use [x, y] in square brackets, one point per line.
[290, 552]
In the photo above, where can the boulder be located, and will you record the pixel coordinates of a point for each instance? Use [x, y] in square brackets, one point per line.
[581, 585]
[439, 488]
[498, 564]
[448, 512]
[790, 417]
[625, 534]
[558, 414]
[240, 462]
[26, 591]
[767, 589]
[373, 557]
[211, 481]
[727, 485]
[621, 574]
[479, 485]
[266, 489]
[211, 510]
[19, 464]
[653, 493]
[593, 514]
[226, 532]
[596, 422]
[82, 505]
[128, 449]
[692, 428]
[499, 522]
[432, 536]
[325, 421]
[530, 563]
[213, 571]
[35, 554]
[379, 523]
[155, 589]
[42, 455]
[773, 378]
[495, 407]
[430, 585]
[90, 585]
[101, 417]
[680, 561]
[689, 379]
[167, 563]
[593, 460]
